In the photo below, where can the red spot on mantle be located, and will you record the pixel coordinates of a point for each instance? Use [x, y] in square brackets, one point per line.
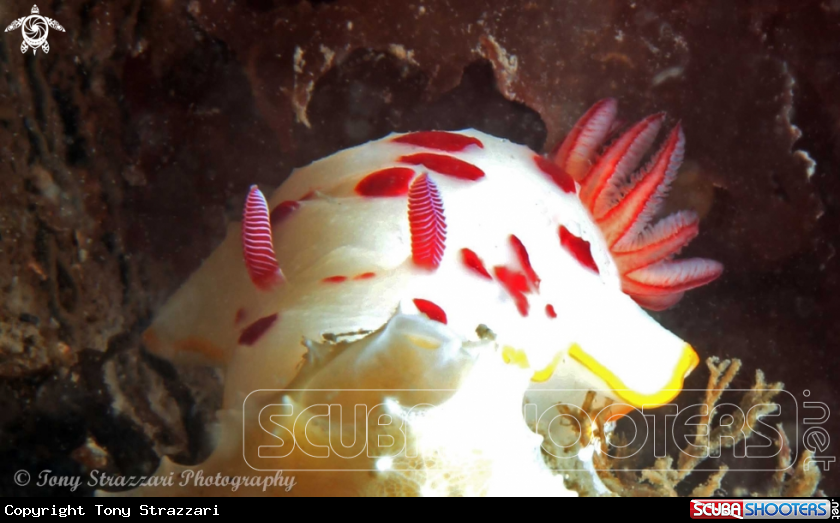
[432, 310]
[364, 276]
[550, 312]
[387, 182]
[253, 332]
[283, 210]
[558, 175]
[240, 315]
[335, 279]
[440, 140]
[443, 164]
[516, 284]
[525, 261]
[579, 248]
[473, 262]
[513, 281]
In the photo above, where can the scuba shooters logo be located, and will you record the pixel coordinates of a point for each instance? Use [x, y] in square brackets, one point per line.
[717, 509]
[762, 508]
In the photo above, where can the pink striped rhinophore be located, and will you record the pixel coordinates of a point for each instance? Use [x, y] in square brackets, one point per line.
[257, 245]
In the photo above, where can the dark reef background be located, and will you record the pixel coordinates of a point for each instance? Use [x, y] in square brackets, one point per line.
[124, 151]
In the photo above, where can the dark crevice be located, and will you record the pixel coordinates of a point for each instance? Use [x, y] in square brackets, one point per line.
[36, 86]
[374, 93]
[43, 245]
[476, 102]
[141, 22]
[200, 441]
[68, 293]
[779, 189]
[125, 278]
[85, 21]
[37, 150]
[110, 241]
[4, 57]
[84, 76]
[29, 318]
[11, 79]
[76, 152]
[130, 449]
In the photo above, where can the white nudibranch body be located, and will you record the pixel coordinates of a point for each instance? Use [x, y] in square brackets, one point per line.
[413, 261]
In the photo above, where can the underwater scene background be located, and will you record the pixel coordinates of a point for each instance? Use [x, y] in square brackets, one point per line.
[128, 147]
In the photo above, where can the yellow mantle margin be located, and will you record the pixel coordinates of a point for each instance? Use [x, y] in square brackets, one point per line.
[687, 362]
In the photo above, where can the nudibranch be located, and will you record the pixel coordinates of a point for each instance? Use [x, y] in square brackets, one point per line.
[379, 266]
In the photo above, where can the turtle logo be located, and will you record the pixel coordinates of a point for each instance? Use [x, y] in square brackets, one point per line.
[35, 31]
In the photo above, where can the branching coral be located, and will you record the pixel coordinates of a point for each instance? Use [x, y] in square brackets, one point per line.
[617, 463]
